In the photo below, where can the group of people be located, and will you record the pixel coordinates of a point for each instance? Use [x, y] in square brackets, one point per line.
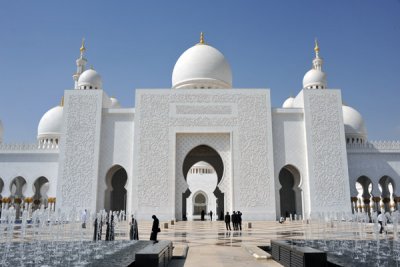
[203, 214]
[108, 219]
[236, 219]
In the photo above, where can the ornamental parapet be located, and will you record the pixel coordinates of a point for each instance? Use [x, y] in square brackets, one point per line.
[375, 147]
[35, 147]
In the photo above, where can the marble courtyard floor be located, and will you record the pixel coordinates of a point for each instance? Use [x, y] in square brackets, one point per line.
[209, 244]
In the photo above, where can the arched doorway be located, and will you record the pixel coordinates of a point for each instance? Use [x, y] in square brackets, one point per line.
[364, 189]
[115, 195]
[199, 203]
[206, 154]
[17, 187]
[290, 192]
[41, 186]
[201, 179]
[387, 188]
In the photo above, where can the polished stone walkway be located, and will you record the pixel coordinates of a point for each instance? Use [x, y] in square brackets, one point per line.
[210, 244]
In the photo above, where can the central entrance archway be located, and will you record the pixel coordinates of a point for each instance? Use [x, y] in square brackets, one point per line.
[206, 154]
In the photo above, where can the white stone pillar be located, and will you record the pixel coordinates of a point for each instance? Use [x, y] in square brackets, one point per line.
[328, 174]
[77, 182]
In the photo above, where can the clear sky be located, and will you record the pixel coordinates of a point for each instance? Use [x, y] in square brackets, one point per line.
[135, 44]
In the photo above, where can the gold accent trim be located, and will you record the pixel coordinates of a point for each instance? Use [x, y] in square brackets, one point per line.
[62, 101]
[316, 48]
[83, 48]
[202, 38]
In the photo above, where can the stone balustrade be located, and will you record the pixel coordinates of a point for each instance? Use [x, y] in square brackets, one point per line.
[28, 147]
[375, 146]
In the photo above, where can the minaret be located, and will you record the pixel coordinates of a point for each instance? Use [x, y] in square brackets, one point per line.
[315, 78]
[317, 62]
[80, 64]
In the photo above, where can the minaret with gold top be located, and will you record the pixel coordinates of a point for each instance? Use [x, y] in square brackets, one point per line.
[317, 62]
[80, 64]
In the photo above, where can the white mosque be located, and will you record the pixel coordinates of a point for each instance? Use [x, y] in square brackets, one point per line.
[202, 145]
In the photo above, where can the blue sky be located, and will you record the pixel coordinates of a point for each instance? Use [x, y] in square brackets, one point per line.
[135, 44]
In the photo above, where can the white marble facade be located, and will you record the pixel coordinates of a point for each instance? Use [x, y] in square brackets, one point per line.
[201, 140]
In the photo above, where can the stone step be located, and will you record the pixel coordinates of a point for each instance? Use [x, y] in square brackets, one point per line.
[257, 252]
[179, 251]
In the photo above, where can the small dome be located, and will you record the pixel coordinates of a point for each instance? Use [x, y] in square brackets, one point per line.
[90, 79]
[314, 78]
[50, 124]
[288, 103]
[114, 103]
[202, 66]
[353, 123]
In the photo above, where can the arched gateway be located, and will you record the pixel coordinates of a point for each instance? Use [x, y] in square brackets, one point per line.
[115, 195]
[290, 192]
[203, 153]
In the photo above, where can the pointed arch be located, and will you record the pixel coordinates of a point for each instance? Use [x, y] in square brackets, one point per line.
[207, 154]
[387, 187]
[200, 201]
[364, 187]
[290, 192]
[116, 193]
[41, 187]
[17, 187]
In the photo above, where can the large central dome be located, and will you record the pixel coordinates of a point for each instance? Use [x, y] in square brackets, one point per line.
[202, 66]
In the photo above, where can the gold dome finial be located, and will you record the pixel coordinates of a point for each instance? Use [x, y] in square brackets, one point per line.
[202, 38]
[316, 48]
[62, 101]
[83, 48]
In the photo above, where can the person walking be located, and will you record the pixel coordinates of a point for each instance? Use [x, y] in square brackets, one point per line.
[202, 215]
[211, 213]
[228, 221]
[381, 221]
[155, 229]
